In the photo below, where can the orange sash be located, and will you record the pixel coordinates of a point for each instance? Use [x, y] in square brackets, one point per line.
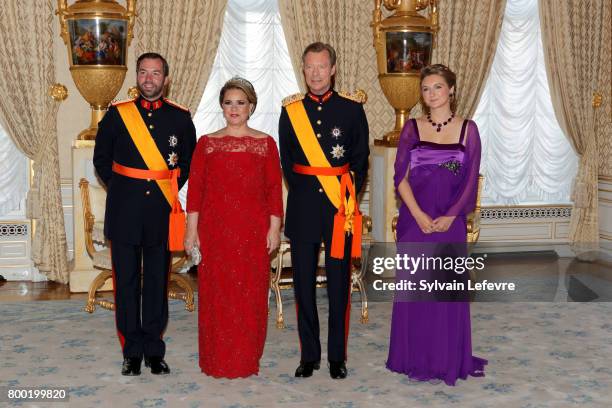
[341, 224]
[320, 171]
[166, 179]
[348, 218]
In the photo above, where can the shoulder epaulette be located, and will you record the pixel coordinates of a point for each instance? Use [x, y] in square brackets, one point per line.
[121, 102]
[358, 96]
[293, 98]
[176, 105]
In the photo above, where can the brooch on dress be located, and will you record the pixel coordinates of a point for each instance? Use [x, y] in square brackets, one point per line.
[172, 141]
[452, 165]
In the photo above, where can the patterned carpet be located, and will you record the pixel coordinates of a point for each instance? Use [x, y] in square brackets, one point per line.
[540, 355]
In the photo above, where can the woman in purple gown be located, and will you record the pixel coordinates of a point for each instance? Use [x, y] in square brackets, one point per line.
[436, 176]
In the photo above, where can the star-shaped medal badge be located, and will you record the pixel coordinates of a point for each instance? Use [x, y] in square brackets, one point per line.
[337, 151]
[172, 140]
[172, 159]
[336, 132]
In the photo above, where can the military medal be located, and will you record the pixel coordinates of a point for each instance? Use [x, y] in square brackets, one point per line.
[172, 159]
[336, 132]
[337, 151]
[172, 140]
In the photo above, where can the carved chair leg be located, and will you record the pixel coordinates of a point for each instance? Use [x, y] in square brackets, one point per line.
[97, 283]
[280, 321]
[472, 274]
[187, 296]
[274, 285]
[364, 301]
[357, 276]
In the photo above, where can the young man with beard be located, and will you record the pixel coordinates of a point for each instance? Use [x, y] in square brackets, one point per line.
[142, 154]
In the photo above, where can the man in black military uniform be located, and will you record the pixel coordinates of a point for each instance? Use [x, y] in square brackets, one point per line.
[340, 130]
[137, 211]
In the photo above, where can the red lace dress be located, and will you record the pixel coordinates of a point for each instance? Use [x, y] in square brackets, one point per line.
[235, 186]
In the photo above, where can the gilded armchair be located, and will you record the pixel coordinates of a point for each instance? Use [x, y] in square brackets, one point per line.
[281, 277]
[93, 199]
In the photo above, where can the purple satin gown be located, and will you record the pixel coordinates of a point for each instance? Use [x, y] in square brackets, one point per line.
[431, 340]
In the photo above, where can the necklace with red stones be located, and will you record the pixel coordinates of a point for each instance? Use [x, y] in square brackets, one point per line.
[439, 126]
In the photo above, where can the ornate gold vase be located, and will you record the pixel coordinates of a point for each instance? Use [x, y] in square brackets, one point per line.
[97, 34]
[404, 42]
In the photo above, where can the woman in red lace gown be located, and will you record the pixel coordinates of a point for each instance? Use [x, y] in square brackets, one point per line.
[234, 206]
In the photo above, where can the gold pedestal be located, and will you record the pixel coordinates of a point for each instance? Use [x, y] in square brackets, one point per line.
[91, 132]
[402, 92]
[403, 43]
[98, 85]
[97, 34]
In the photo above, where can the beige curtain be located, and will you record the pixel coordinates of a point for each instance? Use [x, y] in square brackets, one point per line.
[29, 116]
[467, 40]
[186, 33]
[576, 38]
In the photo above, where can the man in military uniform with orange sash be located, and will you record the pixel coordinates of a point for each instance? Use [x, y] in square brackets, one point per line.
[324, 153]
[142, 154]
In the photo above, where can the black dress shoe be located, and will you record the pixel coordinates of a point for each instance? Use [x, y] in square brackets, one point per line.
[337, 370]
[157, 365]
[305, 368]
[131, 366]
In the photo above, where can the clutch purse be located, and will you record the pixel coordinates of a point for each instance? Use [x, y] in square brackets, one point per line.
[195, 255]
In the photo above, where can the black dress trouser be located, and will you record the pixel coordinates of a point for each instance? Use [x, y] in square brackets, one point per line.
[141, 273]
[304, 259]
